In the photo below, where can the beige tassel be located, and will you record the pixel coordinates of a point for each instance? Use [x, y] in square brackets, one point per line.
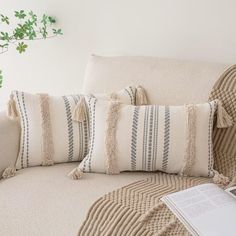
[12, 112]
[224, 120]
[9, 172]
[79, 113]
[220, 179]
[141, 98]
[47, 162]
[76, 173]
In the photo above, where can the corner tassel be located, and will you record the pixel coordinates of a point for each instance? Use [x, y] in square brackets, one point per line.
[79, 112]
[224, 120]
[48, 163]
[141, 98]
[12, 112]
[220, 179]
[9, 172]
[75, 174]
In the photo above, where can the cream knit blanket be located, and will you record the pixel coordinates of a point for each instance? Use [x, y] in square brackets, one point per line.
[136, 210]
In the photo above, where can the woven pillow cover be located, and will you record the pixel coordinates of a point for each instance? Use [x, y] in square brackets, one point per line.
[48, 133]
[172, 139]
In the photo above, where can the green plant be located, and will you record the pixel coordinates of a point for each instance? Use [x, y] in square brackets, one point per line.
[28, 27]
[1, 78]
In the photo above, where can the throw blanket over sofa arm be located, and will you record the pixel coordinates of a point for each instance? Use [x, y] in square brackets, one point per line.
[9, 141]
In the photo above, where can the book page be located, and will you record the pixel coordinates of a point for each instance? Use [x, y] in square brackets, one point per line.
[232, 191]
[205, 210]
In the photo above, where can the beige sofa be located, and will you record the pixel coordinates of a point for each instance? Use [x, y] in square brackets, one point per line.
[43, 200]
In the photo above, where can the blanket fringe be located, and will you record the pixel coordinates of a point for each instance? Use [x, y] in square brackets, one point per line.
[220, 178]
[76, 173]
[79, 112]
[141, 98]
[224, 120]
[9, 172]
[12, 112]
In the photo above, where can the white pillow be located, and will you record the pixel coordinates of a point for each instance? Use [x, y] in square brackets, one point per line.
[172, 139]
[48, 133]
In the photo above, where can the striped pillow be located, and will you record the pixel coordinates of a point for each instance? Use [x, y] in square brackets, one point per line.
[49, 135]
[172, 139]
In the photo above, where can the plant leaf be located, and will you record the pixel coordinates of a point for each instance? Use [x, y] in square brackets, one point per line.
[4, 19]
[20, 14]
[1, 79]
[4, 36]
[52, 20]
[57, 31]
[21, 47]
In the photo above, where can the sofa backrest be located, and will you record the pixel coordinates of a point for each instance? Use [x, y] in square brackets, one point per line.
[167, 81]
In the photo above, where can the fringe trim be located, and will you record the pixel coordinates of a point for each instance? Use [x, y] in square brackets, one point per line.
[141, 97]
[166, 229]
[148, 215]
[110, 139]
[9, 172]
[79, 112]
[12, 112]
[190, 153]
[220, 178]
[47, 137]
[224, 120]
[76, 174]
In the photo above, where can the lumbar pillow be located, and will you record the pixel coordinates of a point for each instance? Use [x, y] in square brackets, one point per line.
[172, 139]
[48, 133]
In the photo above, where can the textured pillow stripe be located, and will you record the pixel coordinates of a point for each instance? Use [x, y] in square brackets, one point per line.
[47, 139]
[210, 130]
[132, 94]
[166, 139]
[24, 151]
[190, 153]
[134, 137]
[83, 131]
[70, 128]
[92, 107]
[173, 139]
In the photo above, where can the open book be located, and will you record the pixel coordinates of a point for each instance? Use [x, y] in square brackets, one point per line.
[205, 209]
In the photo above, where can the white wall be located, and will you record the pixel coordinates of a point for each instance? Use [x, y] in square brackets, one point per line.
[187, 29]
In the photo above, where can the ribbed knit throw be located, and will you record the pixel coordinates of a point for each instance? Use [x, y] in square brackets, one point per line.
[136, 210]
[224, 140]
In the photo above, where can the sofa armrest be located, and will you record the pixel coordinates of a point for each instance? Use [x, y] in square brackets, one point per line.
[9, 141]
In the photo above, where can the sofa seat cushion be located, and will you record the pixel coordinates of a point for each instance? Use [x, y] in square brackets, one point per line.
[43, 201]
